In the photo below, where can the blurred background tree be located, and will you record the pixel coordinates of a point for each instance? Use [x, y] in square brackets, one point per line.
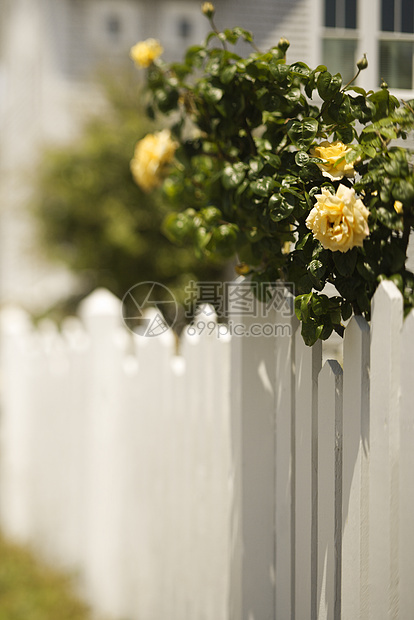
[91, 216]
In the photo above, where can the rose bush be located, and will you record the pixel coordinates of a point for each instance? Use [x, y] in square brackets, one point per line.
[298, 176]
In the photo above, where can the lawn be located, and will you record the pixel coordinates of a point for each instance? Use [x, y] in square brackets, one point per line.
[29, 590]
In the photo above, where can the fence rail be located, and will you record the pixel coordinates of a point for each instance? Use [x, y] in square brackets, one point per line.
[237, 480]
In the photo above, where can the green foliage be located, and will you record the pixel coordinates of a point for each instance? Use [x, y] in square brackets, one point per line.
[93, 218]
[31, 591]
[247, 129]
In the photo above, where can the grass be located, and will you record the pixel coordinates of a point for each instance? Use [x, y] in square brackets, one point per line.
[30, 590]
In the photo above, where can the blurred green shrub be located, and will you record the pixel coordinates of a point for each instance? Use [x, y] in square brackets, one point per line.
[31, 591]
[92, 217]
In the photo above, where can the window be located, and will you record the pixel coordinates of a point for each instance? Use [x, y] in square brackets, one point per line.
[396, 44]
[113, 26]
[184, 28]
[340, 39]
[340, 13]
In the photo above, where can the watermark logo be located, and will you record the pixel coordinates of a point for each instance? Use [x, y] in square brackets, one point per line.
[149, 309]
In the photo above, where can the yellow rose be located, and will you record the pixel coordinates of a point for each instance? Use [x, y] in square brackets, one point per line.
[145, 52]
[339, 221]
[151, 156]
[331, 153]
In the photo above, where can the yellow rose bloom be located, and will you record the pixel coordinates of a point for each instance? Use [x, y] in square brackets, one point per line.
[151, 156]
[331, 153]
[145, 52]
[339, 221]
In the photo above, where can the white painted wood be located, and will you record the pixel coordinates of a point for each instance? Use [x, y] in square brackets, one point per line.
[383, 452]
[102, 574]
[15, 436]
[406, 543]
[284, 450]
[307, 367]
[195, 475]
[329, 476]
[252, 390]
[354, 598]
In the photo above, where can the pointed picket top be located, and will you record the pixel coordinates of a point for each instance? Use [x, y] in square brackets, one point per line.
[100, 302]
[14, 320]
[205, 313]
[154, 329]
[386, 296]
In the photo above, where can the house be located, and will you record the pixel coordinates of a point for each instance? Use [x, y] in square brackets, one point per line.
[49, 50]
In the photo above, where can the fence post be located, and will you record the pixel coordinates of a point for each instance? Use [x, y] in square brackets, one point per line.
[308, 362]
[355, 470]
[284, 457]
[104, 419]
[407, 471]
[329, 491]
[386, 325]
[15, 438]
[253, 442]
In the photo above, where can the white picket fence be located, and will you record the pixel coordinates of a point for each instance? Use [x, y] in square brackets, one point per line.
[235, 481]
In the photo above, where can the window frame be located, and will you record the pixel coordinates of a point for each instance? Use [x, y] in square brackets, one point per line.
[368, 42]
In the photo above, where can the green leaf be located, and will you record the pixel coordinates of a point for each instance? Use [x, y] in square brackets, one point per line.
[279, 70]
[311, 331]
[301, 244]
[345, 262]
[281, 206]
[301, 158]
[212, 94]
[346, 310]
[403, 190]
[203, 237]
[305, 306]
[303, 133]
[271, 159]
[362, 300]
[300, 68]
[328, 85]
[366, 270]
[195, 55]
[263, 187]
[228, 73]
[233, 175]
[177, 227]
[316, 271]
[320, 304]
[389, 218]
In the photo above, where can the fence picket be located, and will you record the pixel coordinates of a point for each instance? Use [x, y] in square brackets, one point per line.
[383, 451]
[406, 548]
[354, 598]
[329, 491]
[101, 316]
[207, 485]
[16, 469]
[308, 364]
[284, 451]
[252, 389]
